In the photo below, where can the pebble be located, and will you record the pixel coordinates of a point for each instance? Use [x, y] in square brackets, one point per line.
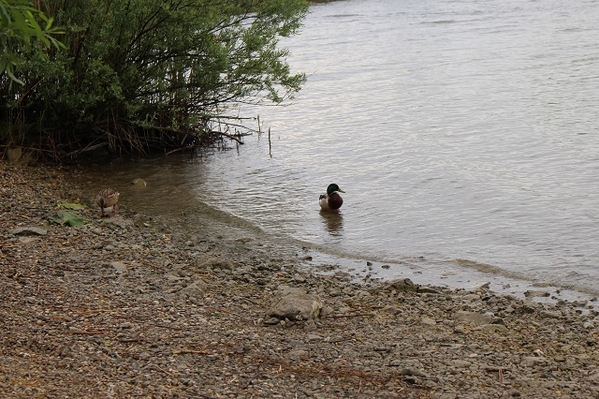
[152, 316]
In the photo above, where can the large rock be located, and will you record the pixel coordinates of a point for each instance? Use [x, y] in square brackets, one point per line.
[295, 304]
[400, 285]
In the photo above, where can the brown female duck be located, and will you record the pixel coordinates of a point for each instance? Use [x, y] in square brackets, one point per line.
[107, 198]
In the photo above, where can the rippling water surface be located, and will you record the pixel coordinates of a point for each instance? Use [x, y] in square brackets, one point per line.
[465, 134]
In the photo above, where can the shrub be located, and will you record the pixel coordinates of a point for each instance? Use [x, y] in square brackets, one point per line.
[145, 75]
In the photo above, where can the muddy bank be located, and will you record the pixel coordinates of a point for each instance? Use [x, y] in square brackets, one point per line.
[127, 306]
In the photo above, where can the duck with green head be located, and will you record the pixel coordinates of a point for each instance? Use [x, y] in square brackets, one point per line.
[331, 200]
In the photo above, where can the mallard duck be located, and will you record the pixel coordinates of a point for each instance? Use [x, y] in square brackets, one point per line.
[331, 200]
[107, 198]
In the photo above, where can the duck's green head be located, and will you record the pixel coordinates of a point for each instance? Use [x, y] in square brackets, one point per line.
[332, 188]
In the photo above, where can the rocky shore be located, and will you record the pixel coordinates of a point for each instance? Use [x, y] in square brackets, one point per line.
[126, 307]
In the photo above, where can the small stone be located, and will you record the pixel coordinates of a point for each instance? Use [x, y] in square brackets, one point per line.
[532, 294]
[413, 372]
[492, 328]
[271, 321]
[428, 290]
[588, 325]
[120, 267]
[471, 297]
[29, 231]
[410, 379]
[594, 378]
[195, 289]
[549, 314]
[531, 361]
[326, 311]
[298, 354]
[313, 337]
[484, 287]
[459, 330]
[461, 363]
[474, 317]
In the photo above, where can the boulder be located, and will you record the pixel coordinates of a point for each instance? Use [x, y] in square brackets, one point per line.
[295, 304]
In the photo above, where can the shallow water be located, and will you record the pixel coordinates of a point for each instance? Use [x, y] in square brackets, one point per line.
[464, 134]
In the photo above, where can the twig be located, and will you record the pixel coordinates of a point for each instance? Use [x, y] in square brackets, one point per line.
[336, 316]
[186, 351]
[88, 148]
[269, 144]
[87, 332]
[259, 127]
[230, 136]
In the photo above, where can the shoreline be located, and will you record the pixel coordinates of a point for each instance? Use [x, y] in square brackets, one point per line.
[435, 270]
[504, 284]
[129, 307]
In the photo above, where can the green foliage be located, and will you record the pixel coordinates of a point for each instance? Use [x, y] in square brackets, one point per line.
[71, 205]
[145, 74]
[68, 218]
[20, 30]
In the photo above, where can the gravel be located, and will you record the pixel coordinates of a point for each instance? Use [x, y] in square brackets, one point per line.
[128, 306]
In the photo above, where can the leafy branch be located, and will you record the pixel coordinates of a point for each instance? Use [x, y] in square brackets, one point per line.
[21, 27]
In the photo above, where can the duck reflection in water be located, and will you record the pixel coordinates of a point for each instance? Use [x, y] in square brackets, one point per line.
[333, 222]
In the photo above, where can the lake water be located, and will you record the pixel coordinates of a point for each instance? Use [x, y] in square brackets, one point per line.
[465, 134]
